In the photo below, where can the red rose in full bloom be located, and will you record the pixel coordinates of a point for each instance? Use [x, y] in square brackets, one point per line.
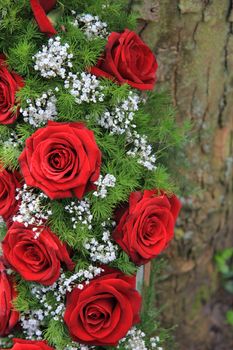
[8, 316]
[22, 344]
[127, 59]
[104, 311]
[40, 8]
[145, 227]
[10, 83]
[35, 259]
[9, 181]
[62, 159]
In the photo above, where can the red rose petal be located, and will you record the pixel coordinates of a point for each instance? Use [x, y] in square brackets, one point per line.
[39, 10]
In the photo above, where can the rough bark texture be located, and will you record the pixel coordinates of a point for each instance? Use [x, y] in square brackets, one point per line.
[193, 41]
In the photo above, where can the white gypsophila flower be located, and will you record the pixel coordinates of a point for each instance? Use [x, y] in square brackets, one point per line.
[54, 59]
[80, 213]
[91, 25]
[142, 150]
[85, 87]
[136, 340]
[13, 141]
[31, 209]
[121, 119]
[41, 110]
[31, 322]
[60, 288]
[76, 346]
[154, 342]
[104, 251]
[103, 183]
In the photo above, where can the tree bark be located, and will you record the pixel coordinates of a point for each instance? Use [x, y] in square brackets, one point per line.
[193, 42]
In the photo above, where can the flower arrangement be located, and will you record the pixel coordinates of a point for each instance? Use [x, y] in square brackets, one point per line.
[83, 197]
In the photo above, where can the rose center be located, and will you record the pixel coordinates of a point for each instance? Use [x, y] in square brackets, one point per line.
[152, 232]
[32, 254]
[95, 315]
[61, 159]
[98, 315]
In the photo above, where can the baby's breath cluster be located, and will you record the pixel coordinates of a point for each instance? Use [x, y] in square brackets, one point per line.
[155, 341]
[84, 87]
[104, 251]
[120, 119]
[54, 59]
[80, 213]
[76, 346]
[142, 150]
[13, 141]
[91, 25]
[83, 276]
[103, 183]
[31, 324]
[32, 209]
[41, 110]
[136, 340]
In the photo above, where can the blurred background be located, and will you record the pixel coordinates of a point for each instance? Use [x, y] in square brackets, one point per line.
[193, 42]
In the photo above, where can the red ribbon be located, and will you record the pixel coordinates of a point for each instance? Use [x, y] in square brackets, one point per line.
[41, 18]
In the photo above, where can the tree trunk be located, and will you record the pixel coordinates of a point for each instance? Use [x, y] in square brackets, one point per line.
[193, 42]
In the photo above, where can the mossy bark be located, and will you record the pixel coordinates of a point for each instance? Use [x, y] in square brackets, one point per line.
[193, 42]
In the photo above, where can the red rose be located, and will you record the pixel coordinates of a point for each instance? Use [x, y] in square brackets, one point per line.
[62, 159]
[10, 83]
[146, 225]
[22, 344]
[128, 60]
[8, 316]
[35, 259]
[104, 311]
[40, 8]
[8, 183]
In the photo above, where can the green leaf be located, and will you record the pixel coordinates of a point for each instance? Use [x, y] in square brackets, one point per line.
[124, 264]
[9, 157]
[25, 300]
[5, 132]
[20, 56]
[56, 14]
[229, 317]
[3, 231]
[222, 260]
[24, 131]
[229, 286]
[57, 335]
